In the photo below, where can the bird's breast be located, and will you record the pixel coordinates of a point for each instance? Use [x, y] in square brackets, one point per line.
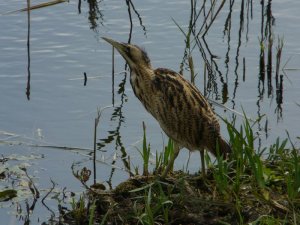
[181, 110]
[140, 82]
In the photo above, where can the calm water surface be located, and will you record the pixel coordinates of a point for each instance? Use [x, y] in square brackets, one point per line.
[60, 111]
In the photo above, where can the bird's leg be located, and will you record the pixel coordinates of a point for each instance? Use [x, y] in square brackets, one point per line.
[202, 163]
[171, 162]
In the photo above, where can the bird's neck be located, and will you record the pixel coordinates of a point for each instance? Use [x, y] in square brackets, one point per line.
[141, 74]
[140, 78]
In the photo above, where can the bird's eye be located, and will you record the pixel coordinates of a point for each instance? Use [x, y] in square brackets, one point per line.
[128, 49]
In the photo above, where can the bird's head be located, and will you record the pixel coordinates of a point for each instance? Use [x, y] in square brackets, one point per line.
[133, 54]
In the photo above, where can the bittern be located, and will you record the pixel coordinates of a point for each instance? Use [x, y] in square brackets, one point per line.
[182, 111]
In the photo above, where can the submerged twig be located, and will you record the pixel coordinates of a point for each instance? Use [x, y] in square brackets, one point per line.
[49, 192]
[35, 192]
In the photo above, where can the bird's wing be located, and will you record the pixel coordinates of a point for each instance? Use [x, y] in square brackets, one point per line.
[176, 93]
[182, 111]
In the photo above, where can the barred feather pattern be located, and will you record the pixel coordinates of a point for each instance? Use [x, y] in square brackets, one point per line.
[181, 110]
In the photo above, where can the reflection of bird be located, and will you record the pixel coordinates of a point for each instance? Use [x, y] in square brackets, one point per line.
[181, 110]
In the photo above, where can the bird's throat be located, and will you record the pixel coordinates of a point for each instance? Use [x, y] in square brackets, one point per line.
[135, 82]
[140, 80]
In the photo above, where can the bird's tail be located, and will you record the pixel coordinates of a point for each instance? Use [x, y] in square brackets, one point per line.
[224, 148]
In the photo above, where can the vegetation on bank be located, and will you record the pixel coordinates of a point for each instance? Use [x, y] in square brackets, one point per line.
[249, 188]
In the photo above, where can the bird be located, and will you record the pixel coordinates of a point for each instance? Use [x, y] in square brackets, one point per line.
[181, 110]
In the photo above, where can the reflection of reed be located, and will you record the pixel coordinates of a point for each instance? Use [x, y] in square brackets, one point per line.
[279, 98]
[241, 29]
[266, 68]
[279, 84]
[28, 51]
[262, 63]
[261, 56]
[209, 59]
[129, 6]
[95, 13]
[117, 115]
[269, 34]
[262, 2]
[113, 77]
[227, 32]
[249, 9]
[206, 23]
[278, 59]
[196, 37]
[261, 80]
[130, 20]
[79, 6]
[269, 66]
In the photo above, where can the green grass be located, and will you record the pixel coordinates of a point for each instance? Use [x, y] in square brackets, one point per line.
[154, 205]
[145, 153]
[162, 158]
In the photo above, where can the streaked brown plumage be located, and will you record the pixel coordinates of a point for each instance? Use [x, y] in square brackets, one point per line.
[181, 110]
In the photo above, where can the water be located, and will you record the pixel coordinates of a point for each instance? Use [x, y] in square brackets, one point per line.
[65, 44]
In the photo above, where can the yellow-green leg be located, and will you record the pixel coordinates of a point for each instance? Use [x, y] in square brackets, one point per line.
[202, 163]
[171, 162]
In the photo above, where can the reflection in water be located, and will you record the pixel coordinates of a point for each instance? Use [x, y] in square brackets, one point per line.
[262, 65]
[279, 98]
[28, 51]
[113, 76]
[227, 30]
[249, 9]
[268, 33]
[187, 50]
[266, 39]
[208, 11]
[129, 5]
[115, 135]
[244, 69]
[79, 6]
[241, 29]
[130, 21]
[95, 13]
[279, 84]
[214, 74]
[117, 115]
[84, 78]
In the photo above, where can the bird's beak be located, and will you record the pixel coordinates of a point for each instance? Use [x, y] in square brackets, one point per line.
[121, 47]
